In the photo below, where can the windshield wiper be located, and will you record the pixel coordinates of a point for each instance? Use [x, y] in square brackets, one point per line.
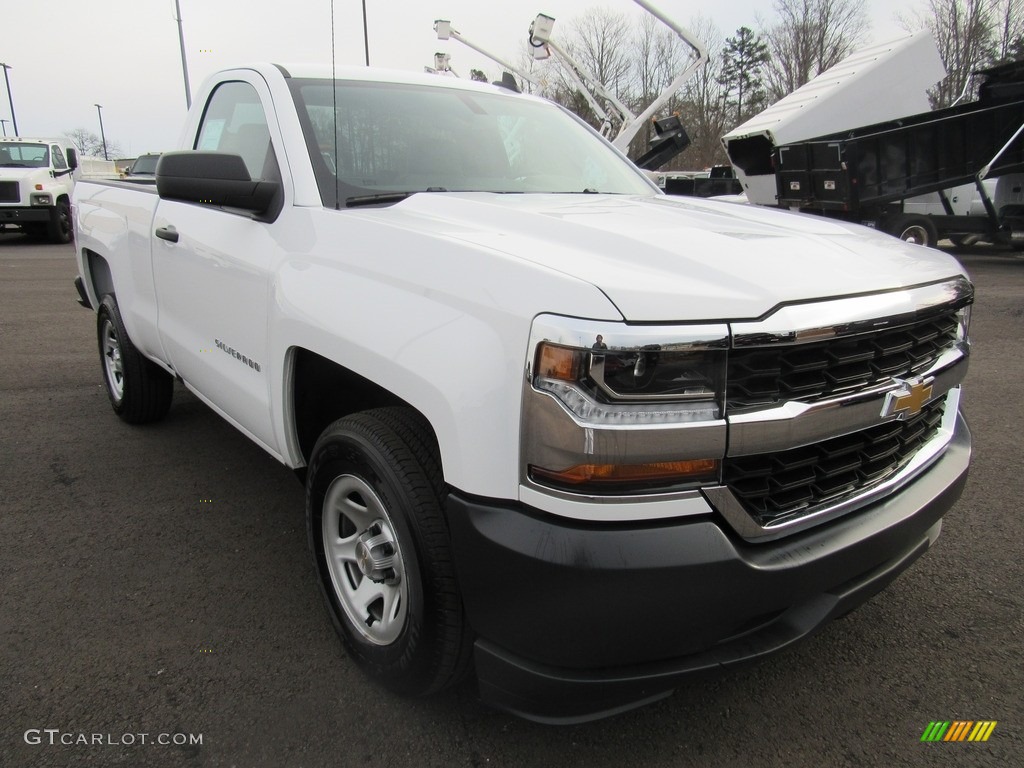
[386, 197]
[383, 197]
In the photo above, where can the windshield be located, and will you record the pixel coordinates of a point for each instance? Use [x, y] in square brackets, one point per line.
[24, 155]
[407, 138]
[146, 164]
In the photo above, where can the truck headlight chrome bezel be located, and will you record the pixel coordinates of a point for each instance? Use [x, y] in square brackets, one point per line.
[617, 409]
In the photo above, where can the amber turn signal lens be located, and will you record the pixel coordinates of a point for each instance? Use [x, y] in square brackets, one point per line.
[562, 363]
[627, 474]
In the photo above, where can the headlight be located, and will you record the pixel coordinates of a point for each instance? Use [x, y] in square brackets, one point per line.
[617, 409]
[42, 199]
[683, 372]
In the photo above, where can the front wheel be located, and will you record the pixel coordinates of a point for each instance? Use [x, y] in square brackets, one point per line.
[59, 228]
[381, 550]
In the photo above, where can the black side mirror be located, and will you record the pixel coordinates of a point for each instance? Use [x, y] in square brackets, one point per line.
[213, 178]
[72, 156]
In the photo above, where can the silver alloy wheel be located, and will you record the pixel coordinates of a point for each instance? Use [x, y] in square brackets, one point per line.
[113, 365]
[364, 560]
[915, 233]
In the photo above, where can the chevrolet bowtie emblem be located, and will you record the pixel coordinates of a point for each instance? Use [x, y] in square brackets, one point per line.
[908, 399]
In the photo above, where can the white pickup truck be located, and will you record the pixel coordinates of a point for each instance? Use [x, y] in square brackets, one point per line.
[36, 181]
[554, 426]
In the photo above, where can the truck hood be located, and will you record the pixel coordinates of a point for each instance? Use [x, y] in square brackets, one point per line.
[17, 174]
[662, 258]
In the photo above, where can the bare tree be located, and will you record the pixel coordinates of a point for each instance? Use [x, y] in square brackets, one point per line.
[659, 55]
[704, 109]
[91, 145]
[1009, 31]
[599, 40]
[964, 31]
[808, 37]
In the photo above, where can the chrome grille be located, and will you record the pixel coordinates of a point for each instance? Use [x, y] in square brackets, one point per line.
[771, 487]
[768, 375]
[9, 192]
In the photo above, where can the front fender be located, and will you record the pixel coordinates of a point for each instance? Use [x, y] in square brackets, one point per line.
[446, 332]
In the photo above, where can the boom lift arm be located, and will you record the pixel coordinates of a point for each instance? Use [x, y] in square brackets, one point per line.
[541, 45]
[699, 58]
[445, 31]
[629, 124]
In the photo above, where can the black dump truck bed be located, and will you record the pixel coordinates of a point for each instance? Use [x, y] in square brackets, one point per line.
[928, 152]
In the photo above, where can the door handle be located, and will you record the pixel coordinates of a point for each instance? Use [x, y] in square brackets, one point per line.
[170, 234]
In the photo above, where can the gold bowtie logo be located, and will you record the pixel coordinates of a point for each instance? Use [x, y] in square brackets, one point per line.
[908, 399]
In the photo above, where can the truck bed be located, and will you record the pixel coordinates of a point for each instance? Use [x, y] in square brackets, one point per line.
[927, 152]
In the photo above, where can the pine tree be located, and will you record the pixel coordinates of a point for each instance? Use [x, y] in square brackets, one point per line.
[743, 57]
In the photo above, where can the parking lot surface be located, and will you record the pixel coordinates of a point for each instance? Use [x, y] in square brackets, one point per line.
[156, 592]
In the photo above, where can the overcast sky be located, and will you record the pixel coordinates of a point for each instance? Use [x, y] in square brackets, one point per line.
[68, 55]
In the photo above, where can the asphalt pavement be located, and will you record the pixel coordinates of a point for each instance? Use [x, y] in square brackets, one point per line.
[158, 606]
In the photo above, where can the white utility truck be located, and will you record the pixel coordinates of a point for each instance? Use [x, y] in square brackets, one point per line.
[36, 180]
[554, 426]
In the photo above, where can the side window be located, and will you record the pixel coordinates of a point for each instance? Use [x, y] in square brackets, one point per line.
[234, 121]
[59, 163]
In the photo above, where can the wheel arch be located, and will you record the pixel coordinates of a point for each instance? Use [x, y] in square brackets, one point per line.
[99, 280]
[321, 391]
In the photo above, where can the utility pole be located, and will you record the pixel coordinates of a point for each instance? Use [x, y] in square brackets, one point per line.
[184, 62]
[366, 36]
[103, 136]
[10, 98]
[4, 123]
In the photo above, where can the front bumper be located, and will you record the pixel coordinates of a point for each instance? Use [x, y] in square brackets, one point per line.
[578, 621]
[25, 215]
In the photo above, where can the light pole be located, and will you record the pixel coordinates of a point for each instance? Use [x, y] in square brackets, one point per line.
[366, 36]
[184, 63]
[4, 123]
[103, 136]
[10, 98]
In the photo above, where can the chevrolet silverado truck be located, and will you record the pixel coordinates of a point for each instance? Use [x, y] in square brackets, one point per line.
[36, 181]
[586, 440]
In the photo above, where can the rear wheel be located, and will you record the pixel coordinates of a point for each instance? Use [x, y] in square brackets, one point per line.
[915, 229]
[140, 391]
[381, 550]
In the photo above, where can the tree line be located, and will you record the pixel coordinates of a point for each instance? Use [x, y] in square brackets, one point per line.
[637, 57]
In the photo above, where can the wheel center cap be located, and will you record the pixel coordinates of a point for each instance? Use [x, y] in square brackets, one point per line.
[375, 555]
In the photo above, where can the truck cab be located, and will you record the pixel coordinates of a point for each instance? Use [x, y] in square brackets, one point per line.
[36, 180]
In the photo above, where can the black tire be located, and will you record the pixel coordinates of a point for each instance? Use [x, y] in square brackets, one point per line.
[59, 229]
[140, 391]
[380, 547]
[915, 229]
